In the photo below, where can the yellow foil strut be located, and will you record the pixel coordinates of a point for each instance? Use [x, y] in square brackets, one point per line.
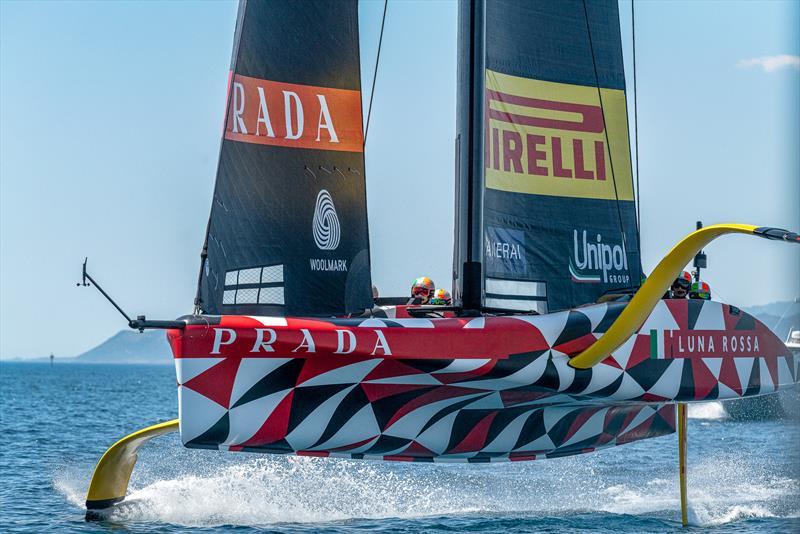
[659, 281]
[682, 441]
[113, 472]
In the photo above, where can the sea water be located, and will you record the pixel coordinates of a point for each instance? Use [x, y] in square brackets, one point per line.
[58, 420]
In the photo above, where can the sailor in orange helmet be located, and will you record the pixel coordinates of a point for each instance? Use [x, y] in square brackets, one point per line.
[422, 289]
[680, 287]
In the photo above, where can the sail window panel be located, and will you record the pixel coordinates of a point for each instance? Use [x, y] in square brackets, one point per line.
[254, 285]
[250, 276]
[516, 287]
[247, 296]
[272, 274]
[229, 297]
[514, 304]
[271, 295]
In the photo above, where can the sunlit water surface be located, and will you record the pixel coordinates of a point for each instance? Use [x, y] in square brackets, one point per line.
[57, 421]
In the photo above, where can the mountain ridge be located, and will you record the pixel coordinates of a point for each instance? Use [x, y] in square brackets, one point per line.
[127, 346]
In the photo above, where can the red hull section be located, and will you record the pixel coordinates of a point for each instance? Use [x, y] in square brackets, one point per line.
[461, 389]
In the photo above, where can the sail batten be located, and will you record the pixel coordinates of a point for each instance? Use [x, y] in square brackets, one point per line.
[288, 229]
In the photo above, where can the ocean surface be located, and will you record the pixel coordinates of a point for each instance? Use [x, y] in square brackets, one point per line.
[58, 420]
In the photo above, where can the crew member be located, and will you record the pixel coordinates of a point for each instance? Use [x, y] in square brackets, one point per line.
[680, 287]
[441, 298]
[422, 289]
[375, 294]
[700, 290]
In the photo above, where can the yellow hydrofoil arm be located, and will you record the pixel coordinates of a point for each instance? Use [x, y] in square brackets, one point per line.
[659, 281]
[682, 442]
[113, 472]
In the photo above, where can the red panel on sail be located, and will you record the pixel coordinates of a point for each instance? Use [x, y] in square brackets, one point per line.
[293, 115]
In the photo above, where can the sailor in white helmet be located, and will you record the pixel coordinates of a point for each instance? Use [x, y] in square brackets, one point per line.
[441, 297]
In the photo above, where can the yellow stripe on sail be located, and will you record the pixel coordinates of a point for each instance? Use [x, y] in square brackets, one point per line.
[548, 138]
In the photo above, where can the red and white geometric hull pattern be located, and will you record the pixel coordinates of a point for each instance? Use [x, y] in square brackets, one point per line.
[462, 389]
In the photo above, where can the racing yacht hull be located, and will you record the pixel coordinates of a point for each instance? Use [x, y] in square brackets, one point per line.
[462, 389]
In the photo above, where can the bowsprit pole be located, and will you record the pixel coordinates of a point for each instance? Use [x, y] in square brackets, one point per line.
[141, 322]
[682, 462]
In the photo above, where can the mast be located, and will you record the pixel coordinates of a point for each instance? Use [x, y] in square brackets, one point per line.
[468, 257]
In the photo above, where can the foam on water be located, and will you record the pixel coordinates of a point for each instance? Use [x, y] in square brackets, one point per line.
[265, 490]
[269, 490]
[710, 411]
[720, 490]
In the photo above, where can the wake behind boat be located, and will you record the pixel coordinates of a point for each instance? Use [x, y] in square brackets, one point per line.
[287, 352]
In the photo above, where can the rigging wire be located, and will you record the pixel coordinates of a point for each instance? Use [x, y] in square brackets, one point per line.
[608, 143]
[375, 73]
[636, 131]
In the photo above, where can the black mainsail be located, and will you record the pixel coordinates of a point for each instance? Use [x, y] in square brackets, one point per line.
[288, 232]
[557, 213]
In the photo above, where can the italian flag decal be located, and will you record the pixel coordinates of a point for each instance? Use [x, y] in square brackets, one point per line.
[578, 277]
[657, 345]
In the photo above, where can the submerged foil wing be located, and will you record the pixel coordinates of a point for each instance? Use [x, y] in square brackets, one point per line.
[288, 233]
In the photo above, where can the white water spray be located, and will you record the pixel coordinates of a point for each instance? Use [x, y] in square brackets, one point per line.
[710, 411]
[264, 490]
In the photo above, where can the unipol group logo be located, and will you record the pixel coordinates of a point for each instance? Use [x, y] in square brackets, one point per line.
[593, 261]
[326, 228]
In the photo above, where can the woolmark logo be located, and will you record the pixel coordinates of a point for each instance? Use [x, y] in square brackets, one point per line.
[598, 262]
[326, 223]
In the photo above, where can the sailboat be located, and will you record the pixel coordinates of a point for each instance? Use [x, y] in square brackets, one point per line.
[555, 344]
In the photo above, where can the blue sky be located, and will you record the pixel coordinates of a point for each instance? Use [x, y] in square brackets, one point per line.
[110, 121]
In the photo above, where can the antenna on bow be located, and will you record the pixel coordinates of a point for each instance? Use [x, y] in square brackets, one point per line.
[700, 261]
[141, 322]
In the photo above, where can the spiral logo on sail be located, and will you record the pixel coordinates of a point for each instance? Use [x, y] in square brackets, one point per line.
[326, 223]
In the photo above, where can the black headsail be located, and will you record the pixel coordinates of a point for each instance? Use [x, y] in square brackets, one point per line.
[288, 228]
[558, 218]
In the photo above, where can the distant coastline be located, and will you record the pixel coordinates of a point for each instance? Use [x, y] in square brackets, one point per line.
[124, 347]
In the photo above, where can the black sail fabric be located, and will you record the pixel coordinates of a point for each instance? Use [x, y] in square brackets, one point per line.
[559, 213]
[288, 228]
